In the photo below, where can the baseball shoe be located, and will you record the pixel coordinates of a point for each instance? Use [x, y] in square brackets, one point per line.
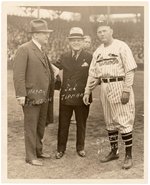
[81, 153]
[127, 162]
[59, 155]
[111, 156]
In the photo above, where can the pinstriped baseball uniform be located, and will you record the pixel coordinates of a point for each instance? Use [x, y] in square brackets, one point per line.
[115, 60]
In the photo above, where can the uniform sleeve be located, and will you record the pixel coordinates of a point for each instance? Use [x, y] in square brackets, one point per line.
[93, 76]
[19, 71]
[88, 89]
[93, 68]
[127, 58]
[129, 78]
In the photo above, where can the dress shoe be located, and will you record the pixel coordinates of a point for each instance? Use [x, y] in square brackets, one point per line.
[127, 162]
[59, 155]
[44, 156]
[35, 162]
[111, 156]
[81, 153]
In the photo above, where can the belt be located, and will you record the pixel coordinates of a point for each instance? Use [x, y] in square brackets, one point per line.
[116, 79]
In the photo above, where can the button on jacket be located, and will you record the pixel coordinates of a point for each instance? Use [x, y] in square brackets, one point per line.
[31, 75]
[75, 73]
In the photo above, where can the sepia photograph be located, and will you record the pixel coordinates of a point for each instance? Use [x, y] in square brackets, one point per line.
[74, 91]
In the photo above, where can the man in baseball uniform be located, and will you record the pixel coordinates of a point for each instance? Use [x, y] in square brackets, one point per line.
[113, 67]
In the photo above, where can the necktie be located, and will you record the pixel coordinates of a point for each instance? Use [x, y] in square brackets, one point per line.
[45, 57]
[74, 56]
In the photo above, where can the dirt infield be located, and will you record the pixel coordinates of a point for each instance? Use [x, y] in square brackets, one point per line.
[71, 166]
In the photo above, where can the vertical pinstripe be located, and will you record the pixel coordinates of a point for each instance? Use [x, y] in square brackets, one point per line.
[113, 61]
[117, 115]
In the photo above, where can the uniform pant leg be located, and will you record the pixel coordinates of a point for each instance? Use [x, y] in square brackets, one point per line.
[110, 125]
[41, 128]
[65, 113]
[81, 114]
[124, 114]
[31, 118]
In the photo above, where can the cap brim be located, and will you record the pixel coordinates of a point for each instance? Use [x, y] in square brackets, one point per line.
[41, 31]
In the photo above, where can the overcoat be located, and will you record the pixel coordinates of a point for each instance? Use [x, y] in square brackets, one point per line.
[32, 76]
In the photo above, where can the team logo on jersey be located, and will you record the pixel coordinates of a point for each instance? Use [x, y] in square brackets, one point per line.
[107, 61]
[98, 56]
[111, 59]
[112, 55]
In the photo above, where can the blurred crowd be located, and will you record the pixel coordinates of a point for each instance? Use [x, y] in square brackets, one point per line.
[18, 27]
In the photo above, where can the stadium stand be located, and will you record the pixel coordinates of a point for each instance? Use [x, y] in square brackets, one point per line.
[18, 27]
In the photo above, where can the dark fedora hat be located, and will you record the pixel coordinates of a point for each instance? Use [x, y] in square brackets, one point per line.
[76, 33]
[39, 26]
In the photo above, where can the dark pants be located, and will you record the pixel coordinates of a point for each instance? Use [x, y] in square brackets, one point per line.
[34, 127]
[65, 114]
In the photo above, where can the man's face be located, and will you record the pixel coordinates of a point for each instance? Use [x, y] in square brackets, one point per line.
[42, 38]
[76, 44]
[104, 33]
[87, 42]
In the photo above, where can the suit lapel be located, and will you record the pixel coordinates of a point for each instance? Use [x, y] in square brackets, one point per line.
[38, 53]
[75, 64]
[80, 59]
[70, 61]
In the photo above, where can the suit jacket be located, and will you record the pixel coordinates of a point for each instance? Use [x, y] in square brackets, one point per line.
[75, 74]
[32, 78]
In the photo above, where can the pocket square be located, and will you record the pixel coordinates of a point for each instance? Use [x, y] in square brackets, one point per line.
[85, 64]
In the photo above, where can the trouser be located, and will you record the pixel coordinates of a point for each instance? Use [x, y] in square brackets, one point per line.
[34, 127]
[117, 116]
[65, 114]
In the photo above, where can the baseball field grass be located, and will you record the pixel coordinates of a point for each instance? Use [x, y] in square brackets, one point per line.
[71, 166]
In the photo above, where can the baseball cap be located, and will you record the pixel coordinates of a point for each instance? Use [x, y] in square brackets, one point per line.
[104, 23]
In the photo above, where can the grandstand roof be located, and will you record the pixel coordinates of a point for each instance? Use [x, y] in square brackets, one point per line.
[97, 9]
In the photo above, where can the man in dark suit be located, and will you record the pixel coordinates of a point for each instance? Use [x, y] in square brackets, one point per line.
[75, 65]
[34, 85]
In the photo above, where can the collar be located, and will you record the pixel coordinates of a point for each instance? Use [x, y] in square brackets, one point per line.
[37, 43]
[111, 42]
[77, 53]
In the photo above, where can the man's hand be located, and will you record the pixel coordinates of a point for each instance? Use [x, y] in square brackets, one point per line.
[21, 100]
[86, 99]
[55, 70]
[125, 97]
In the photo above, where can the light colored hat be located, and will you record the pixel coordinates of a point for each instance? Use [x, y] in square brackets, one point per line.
[76, 33]
[39, 26]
